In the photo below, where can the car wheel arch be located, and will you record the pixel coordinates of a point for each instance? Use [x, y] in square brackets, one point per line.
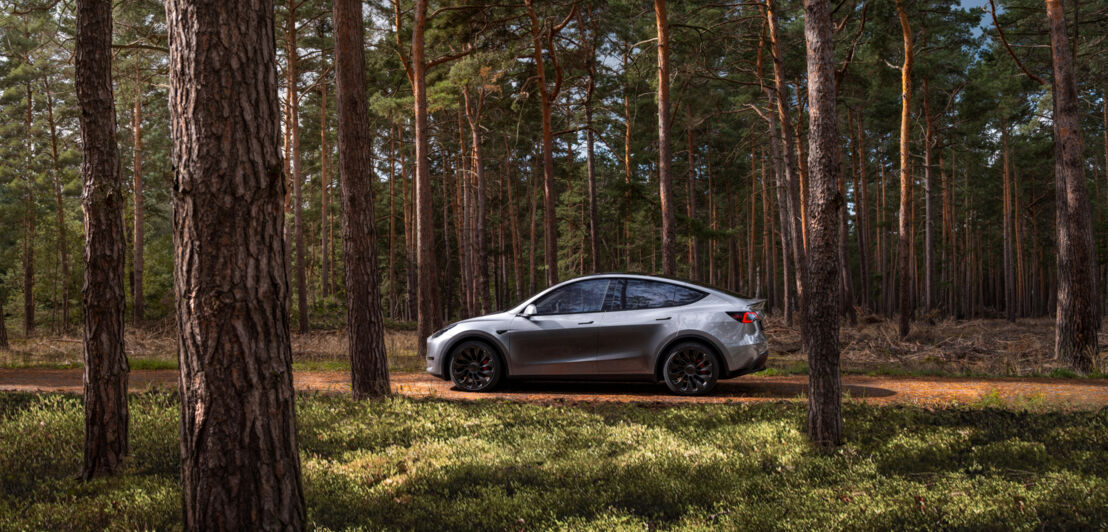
[681, 338]
[497, 350]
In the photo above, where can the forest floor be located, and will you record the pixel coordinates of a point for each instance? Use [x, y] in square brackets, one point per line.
[953, 348]
[406, 463]
[1068, 394]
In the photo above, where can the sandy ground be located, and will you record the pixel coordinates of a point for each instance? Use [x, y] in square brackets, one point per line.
[932, 391]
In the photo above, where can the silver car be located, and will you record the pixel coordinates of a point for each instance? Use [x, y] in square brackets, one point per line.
[608, 327]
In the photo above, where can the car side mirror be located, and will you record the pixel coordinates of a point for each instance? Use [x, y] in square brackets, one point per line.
[529, 311]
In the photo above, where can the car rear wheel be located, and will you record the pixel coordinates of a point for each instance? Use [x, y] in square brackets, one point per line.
[691, 368]
[475, 367]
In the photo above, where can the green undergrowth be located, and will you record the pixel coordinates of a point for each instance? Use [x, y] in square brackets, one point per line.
[432, 464]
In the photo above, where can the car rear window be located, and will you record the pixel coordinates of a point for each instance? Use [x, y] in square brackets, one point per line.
[644, 294]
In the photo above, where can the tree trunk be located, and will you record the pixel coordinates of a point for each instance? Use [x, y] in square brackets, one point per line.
[325, 200]
[29, 235]
[694, 242]
[627, 127]
[590, 165]
[792, 185]
[513, 219]
[105, 378]
[291, 80]
[822, 303]
[474, 108]
[1077, 319]
[1006, 197]
[928, 212]
[427, 309]
[548, 95]
[63, 232]
[665, 180]
[136, 162]
[3, 326]
[240, 467]
[369, 367]
[903, 233]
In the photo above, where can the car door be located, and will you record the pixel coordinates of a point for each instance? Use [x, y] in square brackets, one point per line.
[640, 321]
[560, 337]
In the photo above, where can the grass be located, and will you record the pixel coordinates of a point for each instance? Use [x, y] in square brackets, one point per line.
[429, 464]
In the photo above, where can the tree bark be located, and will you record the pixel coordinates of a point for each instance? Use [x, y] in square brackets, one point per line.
[29, 234]
[137, 309]
[63, 232]
[427, 308]
[291, 80]
[369, 368]
[324, 196]
[1006, 197]
[928, 209]
[3, 326]
[792, 186]
[665, 180]
[694, 242]
[1077, 318]
[903, 233]
[239, 459]
[822, 305]
[474, 108]
[105, 376]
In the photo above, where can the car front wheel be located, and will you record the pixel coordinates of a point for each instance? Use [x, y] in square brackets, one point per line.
[690, 369]
[474, 367]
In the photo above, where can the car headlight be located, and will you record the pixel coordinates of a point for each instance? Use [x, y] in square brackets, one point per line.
[439, 332]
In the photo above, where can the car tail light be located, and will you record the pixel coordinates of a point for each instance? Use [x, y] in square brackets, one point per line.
[745, 317]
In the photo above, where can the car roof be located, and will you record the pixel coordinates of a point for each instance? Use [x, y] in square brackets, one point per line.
[673, 280]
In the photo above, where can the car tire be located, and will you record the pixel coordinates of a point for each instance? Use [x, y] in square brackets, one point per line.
[475, 366]
[691, 368]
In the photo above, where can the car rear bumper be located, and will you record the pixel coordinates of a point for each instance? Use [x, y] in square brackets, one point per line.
[745, 359]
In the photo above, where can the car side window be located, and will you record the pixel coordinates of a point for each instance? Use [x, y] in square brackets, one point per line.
[684, 296]
[643, 294]
[584, 296]
[613, 300]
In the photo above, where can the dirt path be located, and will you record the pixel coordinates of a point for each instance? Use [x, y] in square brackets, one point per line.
[1071, 393]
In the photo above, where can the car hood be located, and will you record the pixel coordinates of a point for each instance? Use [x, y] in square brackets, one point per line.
[499, 316]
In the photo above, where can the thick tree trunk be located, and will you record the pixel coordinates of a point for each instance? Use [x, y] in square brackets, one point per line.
[427, 311]
[369, 367]
[105, 378]
[137, 308]
[822, 302]
[665, 180]
[63, 232]
[1077, 319]
[905, 226]
[240, 467]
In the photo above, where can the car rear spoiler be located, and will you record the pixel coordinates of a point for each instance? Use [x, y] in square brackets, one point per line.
[757, 305]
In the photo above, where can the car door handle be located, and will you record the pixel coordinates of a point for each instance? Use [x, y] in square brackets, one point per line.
[662, 319]
[584, 322]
